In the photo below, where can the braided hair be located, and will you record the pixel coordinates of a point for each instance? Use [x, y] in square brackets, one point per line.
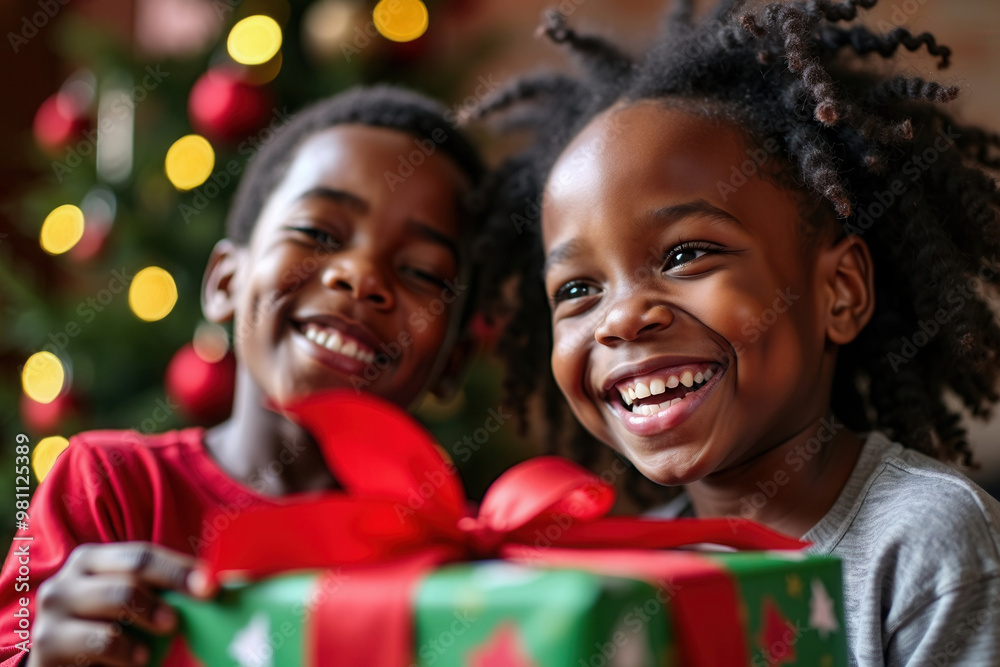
[878, 154]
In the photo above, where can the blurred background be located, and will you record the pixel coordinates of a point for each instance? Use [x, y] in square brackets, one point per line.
[103, 97]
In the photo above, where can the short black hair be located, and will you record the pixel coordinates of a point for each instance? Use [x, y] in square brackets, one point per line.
[384, 106]
[793, 72]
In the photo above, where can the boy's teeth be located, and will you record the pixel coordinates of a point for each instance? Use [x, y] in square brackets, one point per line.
[657, 386]
[708, 374]
[699, 378]
[641, 390]
[336, 342]
[672, 382]
[687, 379]
[631, 395]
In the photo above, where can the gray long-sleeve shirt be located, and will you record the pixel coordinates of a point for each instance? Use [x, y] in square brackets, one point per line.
[921, 553]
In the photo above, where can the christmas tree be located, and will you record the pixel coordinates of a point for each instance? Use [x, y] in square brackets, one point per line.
[142, 147]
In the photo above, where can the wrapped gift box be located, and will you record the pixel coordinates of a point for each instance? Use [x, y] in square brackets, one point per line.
[396, 571]
[502, 614]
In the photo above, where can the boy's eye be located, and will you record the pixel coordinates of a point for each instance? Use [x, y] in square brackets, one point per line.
[424, 276]
[321, 236]
[574, 290]
[684, 253]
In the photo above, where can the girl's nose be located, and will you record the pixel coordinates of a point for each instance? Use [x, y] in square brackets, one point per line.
[360, 277]
[630, 318]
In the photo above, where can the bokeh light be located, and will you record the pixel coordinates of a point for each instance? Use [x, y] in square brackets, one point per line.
[62, 229]
[254, 40]
[43, 377]
[401, 20]
[152, 294]
[211, 342]
[190, 162]
[45, 454]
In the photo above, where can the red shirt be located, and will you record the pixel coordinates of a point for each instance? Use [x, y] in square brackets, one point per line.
[117, 486]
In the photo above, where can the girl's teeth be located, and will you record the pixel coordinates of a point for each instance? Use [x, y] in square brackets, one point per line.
[311, 334]
[699, 378]
[321, 338]
[631, 394]
[334, 342]
[687, 379]
[657, 386]
[672, 382]
[641, 390]
[676, 400]
[708, 374]
[627, 398]
[350, 348]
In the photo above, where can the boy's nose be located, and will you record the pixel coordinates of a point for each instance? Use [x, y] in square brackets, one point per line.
[359, 277]
[632, 318]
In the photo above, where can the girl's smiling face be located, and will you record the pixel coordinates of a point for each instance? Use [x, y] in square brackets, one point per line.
[662, 273]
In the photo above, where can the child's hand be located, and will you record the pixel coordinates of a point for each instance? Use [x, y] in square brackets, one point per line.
[87, 609]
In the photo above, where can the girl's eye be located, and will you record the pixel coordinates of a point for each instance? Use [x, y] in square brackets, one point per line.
[686, 252]
[573, 290]
[321, 236]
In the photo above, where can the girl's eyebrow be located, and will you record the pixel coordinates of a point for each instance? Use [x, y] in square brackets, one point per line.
[698, 208]
[427, 232]
[562, 253]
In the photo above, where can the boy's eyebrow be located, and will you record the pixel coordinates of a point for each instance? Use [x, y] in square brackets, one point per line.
[339, 196]
[695, 208]
[425, 231]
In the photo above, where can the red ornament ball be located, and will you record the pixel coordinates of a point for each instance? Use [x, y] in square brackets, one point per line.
[59, 122]
[48, 418]
[224, 107]
[203, 389]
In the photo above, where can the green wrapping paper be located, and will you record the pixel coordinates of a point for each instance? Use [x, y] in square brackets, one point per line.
[503, 614]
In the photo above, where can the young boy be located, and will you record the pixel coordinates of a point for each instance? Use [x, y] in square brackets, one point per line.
[337, 271]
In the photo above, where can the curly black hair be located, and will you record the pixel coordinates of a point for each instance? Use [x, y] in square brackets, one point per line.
[858, 142]
[384, 106]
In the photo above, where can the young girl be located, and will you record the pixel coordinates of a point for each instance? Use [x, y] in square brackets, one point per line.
[333, 260]
[766, 266]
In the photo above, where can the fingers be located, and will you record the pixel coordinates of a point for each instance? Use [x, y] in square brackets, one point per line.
[152, 565]
[114, 597]
[100, 642]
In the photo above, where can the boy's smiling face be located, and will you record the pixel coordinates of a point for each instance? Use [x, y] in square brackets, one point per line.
[348, 282]
[658, 276]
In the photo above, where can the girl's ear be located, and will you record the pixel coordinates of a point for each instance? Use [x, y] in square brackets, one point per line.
[218, 288]
[849, 283]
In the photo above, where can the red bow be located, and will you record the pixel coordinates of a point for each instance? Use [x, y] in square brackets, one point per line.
[404, 512]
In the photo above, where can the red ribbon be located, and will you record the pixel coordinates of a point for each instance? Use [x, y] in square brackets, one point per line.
[404, 513]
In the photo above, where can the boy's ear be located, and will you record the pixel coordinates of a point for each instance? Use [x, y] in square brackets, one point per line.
[849, 283]
[218, 287]
[463, 352]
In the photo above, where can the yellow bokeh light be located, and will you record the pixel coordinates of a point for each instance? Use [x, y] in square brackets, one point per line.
[45, 454]
[62, 229]
[43, 377]
[152, 294]
[190, 162]
[401, 20]
[254, 40]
